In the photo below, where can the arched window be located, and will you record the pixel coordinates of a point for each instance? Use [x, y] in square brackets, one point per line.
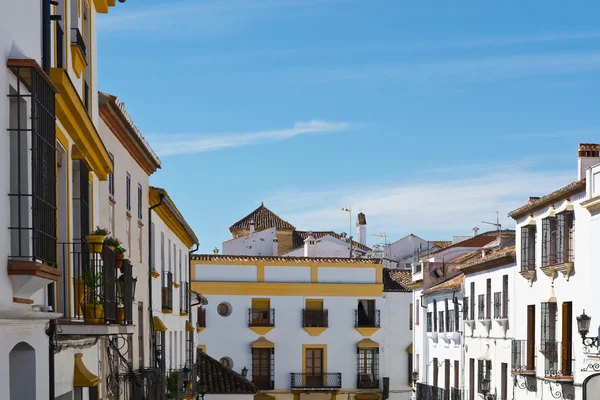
[22, 372]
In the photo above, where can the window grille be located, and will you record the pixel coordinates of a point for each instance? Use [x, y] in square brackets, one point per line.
[429, 322]
[466, 308]
[528, 234]
[441, 322]
[481, 305]
[139, 203]
[564, 239]
[549, 232]
[128, 192]
[497, 305]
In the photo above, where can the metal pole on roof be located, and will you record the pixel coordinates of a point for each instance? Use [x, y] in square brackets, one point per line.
[349, 211]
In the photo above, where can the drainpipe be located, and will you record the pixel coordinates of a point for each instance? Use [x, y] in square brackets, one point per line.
[189, 295]
[51, 332]
[150, 264]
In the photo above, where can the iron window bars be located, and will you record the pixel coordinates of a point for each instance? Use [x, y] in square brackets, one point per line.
[466, 308]
[565, 222]
[128, 192]
[184, 302]
[261, 317]
[316, 381]
[548, 320]
[481, 306]
[519, 357]
[167, 291]
[484, 369]
[528, 235]
[362, 320]
[263, 368]
[315, 318]
[368, 369]
[32, 188]
[549, 241]
[450, 321]
[558, 359]
[77, 39]
[428, 392]
[441, 322]
[497, 305]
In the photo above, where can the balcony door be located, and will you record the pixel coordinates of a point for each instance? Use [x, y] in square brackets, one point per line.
[531, 337]
[567, 338]
[314, 367]
[261, 368]
[368, 368]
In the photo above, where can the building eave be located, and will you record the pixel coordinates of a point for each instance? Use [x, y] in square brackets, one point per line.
[563, 193]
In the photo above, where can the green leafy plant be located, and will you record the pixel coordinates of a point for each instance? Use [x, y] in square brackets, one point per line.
[120, 250]
[112, 241]
[92, 282]
[100, 232]
[172, 381]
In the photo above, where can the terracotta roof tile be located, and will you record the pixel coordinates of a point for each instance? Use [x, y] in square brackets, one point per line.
[448, 285]
[476, 241]
[442, 244]
[548, 199]
[507, 251]
[395, 280]
[300, 236]
[263, 218]
[296, 260]
[220, 379]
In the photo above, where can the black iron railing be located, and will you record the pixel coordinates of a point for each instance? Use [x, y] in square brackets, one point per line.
[139, 384]
[86, 95]
[261, 317]
[315, 318]
[201, 317]
[184, 300]
[364, 320]
[316, 381]
[481, 306]
[497, 305]
[32, 183]
[367, 381]
[77, 39]
[97, 293]
[428, 392]
[167, 291]
[558, 358]
[125, 294]
[522, 356]
[456, 394]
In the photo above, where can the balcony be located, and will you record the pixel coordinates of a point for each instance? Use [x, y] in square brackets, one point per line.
[428, 392]
[558, 363]
[522, 357]
[167, 292]
[367, 323]
[332, 381]
[367, 381]
[261, 320]
[99, 296]
[78, 52]
[315, 322]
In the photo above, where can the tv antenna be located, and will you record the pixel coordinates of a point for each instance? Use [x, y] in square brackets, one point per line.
[496, 224]
[383, 236]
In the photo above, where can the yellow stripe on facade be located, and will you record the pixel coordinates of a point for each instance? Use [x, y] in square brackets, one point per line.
[289, 289]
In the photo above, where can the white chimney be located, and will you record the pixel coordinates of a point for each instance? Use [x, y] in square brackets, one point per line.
[588, 156]
[475, 231]
[251, 226]
[361, 228]
[275, 247]
[309, 246]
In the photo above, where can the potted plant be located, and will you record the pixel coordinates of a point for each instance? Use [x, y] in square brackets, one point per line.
[172, 381]
[96, 239]
[119, 256]
[93, 302]
[112, 242]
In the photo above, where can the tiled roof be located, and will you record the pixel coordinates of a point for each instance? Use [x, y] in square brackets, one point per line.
[263, 218]
[295, 260]
[468, 257]
[220, 379]
[565, 191]
[476, 241]
[448, 285]
[442, 244]
[395, 280]
[300, 236]
[507, 251]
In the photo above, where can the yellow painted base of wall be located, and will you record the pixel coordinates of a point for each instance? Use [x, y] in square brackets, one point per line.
[262, 330]
[313, 331]
[367, 331]
[78, 60]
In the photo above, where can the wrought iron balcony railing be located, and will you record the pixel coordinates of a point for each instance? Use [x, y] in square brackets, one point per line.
[316, 381]
[315, 318]
[167, 291]
[558, 357]
[77, 39]
[367, 381]
[428, 392]
[363, 320]
[261, 317]
[456, 394]
[523, 357]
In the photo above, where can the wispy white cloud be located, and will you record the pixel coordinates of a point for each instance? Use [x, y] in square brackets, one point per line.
[168, 145]
[432, 203]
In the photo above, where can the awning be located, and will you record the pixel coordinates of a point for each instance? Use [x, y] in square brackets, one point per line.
[188, 326]
[262, 343]
[367, 343]
[82, 377]
[159, 326]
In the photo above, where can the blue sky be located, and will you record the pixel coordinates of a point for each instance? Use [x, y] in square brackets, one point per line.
[428, 116]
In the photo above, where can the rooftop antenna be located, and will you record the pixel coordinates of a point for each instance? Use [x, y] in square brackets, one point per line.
[497, 224]
[349, 211]
[381, 235]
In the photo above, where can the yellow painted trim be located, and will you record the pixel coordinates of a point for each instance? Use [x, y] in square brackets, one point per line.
[315, 331]
[314, 273]
[314, 346]
[184, 314]
[409, 349]
[188, 326]
[82, 377]
[279, 263]
[333, 396]
[170, 219]
[75, 119]
[200, 329]
[155, 274]
[101, 6]
[314, 304]
[201, 347]
[260, 273]
[262, 330]
[288, 289]
[296, 395]
[159, 326]
[78, 60]
[367, 343]
[176, 285]
[262, 343]
[367, 331]
[167, 311]
[64, 141]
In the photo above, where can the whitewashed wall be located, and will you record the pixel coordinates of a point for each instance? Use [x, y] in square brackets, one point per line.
[257, 244]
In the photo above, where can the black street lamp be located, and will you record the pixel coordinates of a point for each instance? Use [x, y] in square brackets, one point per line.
[244, 372]
[583, 326]
[485, 387]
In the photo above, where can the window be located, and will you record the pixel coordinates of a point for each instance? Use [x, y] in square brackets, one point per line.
[366, 315]
[410, 316]
[504, 382]
[368, 368]
[548, 332]
[472, 301]
[111, 178]
[224, 309]
[456, 374]
[505, 296]
[429, 322]
[450, 321]
[497, 305]
[139, 202]
[263, 363]
[549, 241]
[481, 306]
[162, 251]
[435, 372]
[435, 315]
[471, 379]
[140, 243]
[446, 321]
[566, 351]
[466, 308]
[417, 312]
[180, 267]
[170, 350]
[410, 369]
[447, 375]
[564, 239]
[128, 192]
[531, 350]
[128, 232]
[441, 322]
[261, 313]
[175, 261]
[488, 294]
[111, 216]
[528, 247]
[169, 255]
[456, 315]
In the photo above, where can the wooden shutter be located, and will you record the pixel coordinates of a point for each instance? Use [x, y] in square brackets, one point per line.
[447, 376]
[504, 382]
[456, 374]
[435, 372]
[567, 329]
[531, 337]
